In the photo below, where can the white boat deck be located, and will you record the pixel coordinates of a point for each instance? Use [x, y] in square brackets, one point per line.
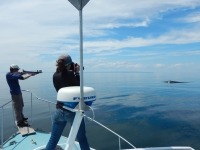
[39, 140]
[35, 141]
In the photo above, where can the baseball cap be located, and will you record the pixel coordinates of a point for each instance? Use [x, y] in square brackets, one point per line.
[14, 66]
[67, 59]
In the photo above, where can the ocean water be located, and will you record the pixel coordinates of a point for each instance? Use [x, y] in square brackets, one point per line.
[139, 106]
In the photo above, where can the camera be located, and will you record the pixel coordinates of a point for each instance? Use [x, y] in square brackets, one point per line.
[73, 66]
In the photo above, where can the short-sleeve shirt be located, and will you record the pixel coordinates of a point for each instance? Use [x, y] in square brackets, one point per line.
[13, 82]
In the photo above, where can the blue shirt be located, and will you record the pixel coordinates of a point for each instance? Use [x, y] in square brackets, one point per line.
[13, 82]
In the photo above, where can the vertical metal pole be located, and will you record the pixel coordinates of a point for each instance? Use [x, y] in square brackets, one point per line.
[79, 116]
[31, 108]
[2, 128]
[119, 144]
[74, 130]
[81, 104]
[50, 113]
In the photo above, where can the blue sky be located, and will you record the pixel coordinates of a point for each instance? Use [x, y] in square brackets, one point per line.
[130, 35]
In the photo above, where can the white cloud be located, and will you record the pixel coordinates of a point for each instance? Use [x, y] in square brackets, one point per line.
[172, 37]
[159, 65]
[36, 32]
[192, 18]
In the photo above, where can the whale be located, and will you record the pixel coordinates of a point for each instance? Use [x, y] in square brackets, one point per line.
[171, 81]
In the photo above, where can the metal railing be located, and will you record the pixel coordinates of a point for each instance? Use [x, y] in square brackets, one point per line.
[31, 111]
[49, 103]
[119, 137]
[2, 121]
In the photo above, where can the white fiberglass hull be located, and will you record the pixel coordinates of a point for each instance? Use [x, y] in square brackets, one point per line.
[36, 141]
[164, 148]
[39, 140]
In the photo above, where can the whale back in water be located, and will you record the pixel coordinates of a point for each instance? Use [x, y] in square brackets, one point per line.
[171, 81]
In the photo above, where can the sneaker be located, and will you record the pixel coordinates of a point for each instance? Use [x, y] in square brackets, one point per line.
[23, 124]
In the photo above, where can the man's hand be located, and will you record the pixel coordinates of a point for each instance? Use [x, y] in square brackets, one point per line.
[77, 68]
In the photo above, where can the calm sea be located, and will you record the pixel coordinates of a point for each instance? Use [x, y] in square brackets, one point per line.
[141, 107]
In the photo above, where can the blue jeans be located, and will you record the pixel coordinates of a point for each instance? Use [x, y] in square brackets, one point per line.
[61, 118]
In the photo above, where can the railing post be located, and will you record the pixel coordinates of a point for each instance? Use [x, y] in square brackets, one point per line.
[119, 144]
[31, 108]
[2, 127]
[50, 114]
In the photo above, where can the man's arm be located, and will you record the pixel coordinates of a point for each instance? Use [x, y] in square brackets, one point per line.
[26, 76]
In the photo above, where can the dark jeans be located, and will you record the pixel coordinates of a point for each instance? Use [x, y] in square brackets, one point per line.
[18, 105]
[61, 118]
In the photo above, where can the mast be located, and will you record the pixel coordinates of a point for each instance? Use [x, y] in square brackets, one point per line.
[79, 4]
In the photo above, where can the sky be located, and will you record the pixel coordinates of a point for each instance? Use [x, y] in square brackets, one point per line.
[123, 36]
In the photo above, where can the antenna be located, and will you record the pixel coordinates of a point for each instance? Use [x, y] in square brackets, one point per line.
[79, 4]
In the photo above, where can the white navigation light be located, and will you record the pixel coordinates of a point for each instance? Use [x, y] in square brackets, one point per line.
[70, 96]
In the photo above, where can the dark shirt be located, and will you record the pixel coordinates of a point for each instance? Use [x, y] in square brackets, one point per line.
[64, 79]
[13, 82]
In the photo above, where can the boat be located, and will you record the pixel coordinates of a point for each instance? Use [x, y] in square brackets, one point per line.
[29, 139]
[38, 139]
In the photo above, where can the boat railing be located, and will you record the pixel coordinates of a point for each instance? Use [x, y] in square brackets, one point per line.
[108, 129]
[120, 138]
[2, 107]
[2, 121]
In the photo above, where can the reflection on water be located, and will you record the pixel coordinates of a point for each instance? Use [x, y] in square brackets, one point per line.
[138, 106]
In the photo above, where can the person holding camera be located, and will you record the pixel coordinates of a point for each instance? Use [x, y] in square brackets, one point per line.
[67, 74]
[13, 78]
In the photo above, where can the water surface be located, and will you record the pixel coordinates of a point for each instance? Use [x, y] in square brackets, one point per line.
[138, 106]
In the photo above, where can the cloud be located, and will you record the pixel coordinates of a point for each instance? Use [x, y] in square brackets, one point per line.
[192, 18]
[172, 37]
[36, 32]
